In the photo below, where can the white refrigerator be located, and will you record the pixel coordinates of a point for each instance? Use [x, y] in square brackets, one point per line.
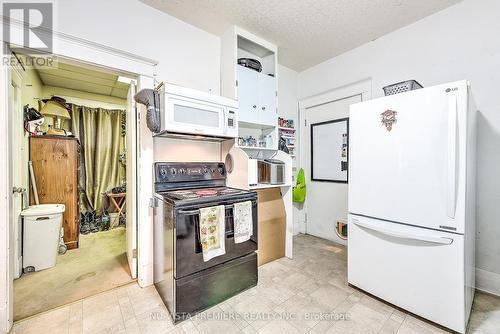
[412, 201]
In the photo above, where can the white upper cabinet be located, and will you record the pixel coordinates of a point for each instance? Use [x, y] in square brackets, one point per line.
[255, 91]
[268, 114]
[257, 97]
[248, 91]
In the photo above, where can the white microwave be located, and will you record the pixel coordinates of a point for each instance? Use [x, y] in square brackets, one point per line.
[188, 111]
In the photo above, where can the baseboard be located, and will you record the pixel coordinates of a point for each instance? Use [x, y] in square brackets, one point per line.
[488, 281]
[299, 227]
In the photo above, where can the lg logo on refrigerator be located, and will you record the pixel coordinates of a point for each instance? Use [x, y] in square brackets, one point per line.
[454, 89]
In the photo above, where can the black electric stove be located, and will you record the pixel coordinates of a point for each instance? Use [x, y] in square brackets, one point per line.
[204, 195]
[186, 283]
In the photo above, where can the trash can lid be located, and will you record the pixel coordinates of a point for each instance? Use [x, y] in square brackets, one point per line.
[43, 209]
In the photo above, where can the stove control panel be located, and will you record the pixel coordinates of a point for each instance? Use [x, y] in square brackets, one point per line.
[190, 171]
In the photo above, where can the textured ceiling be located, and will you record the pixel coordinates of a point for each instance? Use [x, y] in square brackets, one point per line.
[83, 79]
[307, 32]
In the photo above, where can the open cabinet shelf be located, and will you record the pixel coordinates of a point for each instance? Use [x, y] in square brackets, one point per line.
[268, 186]
[256, 91]
[256, 148]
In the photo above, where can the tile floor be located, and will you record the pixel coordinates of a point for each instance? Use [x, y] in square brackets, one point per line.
[313, 283]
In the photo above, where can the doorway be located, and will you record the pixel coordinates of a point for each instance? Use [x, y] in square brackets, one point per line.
[87, 155]
[324, 129]
[327, 197]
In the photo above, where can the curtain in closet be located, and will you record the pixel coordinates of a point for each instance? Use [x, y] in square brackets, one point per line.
[102, 138]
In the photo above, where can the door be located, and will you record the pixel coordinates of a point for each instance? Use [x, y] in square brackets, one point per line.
[407, 170]
[267, 100]
[417, 269]
[187, 115]
[17, 164]
[248, 92]
[326, 201]
[188, 250]
[131, 199]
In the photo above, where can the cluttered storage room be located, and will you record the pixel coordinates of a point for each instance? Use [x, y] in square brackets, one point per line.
[233, 166]
[71, 140]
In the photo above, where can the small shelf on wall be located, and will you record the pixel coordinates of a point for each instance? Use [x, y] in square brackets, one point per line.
[289, 135]
[256, 148]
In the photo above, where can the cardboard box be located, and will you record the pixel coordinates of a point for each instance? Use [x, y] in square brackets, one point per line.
[272, 224]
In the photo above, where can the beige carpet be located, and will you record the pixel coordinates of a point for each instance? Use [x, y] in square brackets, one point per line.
[100, 264]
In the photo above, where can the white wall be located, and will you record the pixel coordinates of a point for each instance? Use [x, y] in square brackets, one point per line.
[31, 91]
[287, 93]
[460, 42]
[188, 56]
[170, 149]
[288, 108]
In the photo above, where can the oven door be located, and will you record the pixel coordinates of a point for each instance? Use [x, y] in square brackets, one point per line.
[190, 116]
[188, 252]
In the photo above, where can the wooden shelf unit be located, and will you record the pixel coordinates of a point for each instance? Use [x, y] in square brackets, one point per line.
[56, 161]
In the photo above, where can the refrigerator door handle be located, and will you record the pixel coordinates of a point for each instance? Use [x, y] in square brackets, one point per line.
[403, 235]
[451, 178]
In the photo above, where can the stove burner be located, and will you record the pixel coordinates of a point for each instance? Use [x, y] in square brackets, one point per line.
[189, 196]
[199, 193]
[206, 193]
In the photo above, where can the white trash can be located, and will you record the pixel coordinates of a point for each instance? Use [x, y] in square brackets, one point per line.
[41, 227]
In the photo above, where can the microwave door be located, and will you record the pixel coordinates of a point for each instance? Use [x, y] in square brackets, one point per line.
[193, 117]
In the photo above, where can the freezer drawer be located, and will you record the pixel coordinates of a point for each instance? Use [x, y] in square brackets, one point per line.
[417, 269]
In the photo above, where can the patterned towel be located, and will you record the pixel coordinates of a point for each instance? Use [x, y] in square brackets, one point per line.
[243, 222]
[213, 231]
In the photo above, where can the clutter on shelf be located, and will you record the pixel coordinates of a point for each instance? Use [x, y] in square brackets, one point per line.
[264, 141]
[285, 123]
[286, 134]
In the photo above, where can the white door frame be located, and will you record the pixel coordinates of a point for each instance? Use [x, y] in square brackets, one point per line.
[362, 87]
[94, 54]
[16, 79]
[131, 155]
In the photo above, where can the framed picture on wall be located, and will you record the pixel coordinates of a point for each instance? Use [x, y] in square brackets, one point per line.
[330, 150]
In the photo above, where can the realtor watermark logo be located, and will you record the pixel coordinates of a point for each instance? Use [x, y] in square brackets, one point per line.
[28, 26]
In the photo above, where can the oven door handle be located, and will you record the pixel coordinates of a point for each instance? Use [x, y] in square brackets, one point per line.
[197, 211]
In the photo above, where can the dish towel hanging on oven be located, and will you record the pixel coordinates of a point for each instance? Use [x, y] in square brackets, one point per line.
[243, 222]
[213, 231]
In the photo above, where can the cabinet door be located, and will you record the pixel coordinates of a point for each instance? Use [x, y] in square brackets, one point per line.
[248, 95]
[267, 100]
